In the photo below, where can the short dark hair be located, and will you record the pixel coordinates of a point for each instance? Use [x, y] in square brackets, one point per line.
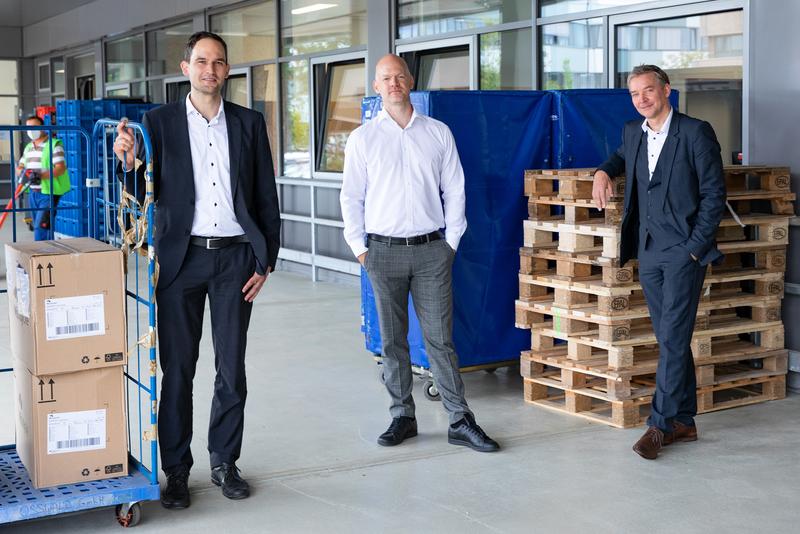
[187, 52]
[661, 76]
[35, 118]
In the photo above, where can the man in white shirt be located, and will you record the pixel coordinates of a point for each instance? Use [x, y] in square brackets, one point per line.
[217, 235]
[674, 200]
[403, 181]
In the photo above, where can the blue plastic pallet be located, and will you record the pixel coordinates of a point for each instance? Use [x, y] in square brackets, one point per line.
[19, 500]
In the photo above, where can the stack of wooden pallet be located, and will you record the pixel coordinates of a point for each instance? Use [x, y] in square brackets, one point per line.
[593, 350]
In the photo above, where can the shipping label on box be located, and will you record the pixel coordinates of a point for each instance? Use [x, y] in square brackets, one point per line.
[67, 310]
[76, 431]
[70, 317]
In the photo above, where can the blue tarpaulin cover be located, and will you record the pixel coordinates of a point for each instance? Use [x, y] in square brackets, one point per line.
[499, 134]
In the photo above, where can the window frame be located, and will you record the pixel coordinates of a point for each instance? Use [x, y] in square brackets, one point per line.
[319, 106]
[434, 46]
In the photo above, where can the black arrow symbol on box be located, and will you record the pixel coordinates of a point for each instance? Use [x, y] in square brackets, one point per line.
[51, 389]
[39, 268]
[50, 273]
[41, 389]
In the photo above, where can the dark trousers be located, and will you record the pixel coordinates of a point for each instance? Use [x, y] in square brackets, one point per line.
[43, 219]
[672, 282]
[220, 275]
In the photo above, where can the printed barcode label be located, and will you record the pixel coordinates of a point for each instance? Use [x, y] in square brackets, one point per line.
[76, 431]
[23, 293]
[70, 317]
[75, 443]
[77, 329]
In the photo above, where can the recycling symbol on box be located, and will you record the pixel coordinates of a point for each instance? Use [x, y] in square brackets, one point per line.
[85, 472]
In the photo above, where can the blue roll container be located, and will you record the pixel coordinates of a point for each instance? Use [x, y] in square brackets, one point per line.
[19, 500]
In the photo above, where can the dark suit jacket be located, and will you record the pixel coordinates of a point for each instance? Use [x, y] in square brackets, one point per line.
[691, 168]
[255, 198]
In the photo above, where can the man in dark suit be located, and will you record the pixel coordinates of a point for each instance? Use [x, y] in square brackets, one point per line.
[674, 200]
[217, 234]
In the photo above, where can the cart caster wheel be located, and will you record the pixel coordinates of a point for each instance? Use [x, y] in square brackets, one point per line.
[132, 517]
[431, 393]
[491, 371]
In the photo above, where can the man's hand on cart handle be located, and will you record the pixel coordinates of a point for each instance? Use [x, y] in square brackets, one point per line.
[123, 145]
[602, 189]
[253, 286]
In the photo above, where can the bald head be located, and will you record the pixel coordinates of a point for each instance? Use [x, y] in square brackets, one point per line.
[393, 81]
[391, 62]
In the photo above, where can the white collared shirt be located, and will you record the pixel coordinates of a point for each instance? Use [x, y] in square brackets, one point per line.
[214, 215]
[655, 142]
[402, 182]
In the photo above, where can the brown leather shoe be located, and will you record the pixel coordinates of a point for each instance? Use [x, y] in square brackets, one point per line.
[650, 443]
[681, 432]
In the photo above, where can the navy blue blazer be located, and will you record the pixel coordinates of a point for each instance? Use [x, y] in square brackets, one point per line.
[255, 197]
[694, 200]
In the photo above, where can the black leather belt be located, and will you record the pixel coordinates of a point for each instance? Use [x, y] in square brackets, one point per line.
[215, 243]
[406, 241]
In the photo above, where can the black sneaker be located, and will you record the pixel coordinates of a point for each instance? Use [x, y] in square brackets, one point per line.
[227, 477]
[466, 432]
[400, 429]
[176, 495]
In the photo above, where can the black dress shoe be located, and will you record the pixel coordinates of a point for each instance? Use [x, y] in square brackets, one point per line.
[176, 495]
[227, 477]
[400, 429]
[466, 432]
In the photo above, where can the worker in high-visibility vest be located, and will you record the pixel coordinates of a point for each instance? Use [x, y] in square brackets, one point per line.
[34, 166]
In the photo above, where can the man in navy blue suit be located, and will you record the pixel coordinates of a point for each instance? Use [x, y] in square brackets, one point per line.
[674, 200]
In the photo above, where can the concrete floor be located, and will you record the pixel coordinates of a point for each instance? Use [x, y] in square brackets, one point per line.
[315, 407]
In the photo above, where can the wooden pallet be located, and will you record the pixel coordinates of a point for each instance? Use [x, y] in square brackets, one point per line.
[748, 177]
[592, 403]
[566, 184]
[587, 346]
[573, 211]
[751, 201]
[760, 255]
[533, 314]
[589, 403]
[617, 299]
[734, 362]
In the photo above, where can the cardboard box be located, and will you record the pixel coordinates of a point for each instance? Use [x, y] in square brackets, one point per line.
[66, 305]
[71, 427]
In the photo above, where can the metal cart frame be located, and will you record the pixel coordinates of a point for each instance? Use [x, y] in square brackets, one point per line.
[19, 500]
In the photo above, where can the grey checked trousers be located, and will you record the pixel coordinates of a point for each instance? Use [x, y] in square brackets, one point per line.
[425, 272]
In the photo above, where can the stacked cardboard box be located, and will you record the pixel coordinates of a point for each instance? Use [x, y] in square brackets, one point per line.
[68, 341]
[593, 350]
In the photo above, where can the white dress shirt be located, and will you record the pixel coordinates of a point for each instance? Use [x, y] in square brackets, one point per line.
[655, 142]
[402, 182]
[214, 215]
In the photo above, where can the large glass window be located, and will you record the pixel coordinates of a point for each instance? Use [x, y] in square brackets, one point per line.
[9, 106]
[417, 18]
[572, 54]
[703, 57]
[165, 48]
[313, 27]
[125, 59]
[250, 32]
[265, 100]
[44, 76]
[341, 87]
[550, 8]
[442, 69]
[506, 60]
[235, 89]
[58, 75]
[296, 107]
[8, 79]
